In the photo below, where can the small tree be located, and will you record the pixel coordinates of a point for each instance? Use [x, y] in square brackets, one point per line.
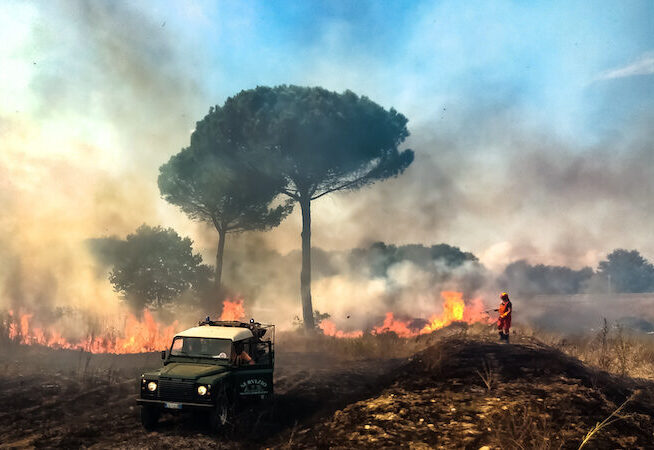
[216, 186]
[153, 266]
[319, 142]
[627, 271]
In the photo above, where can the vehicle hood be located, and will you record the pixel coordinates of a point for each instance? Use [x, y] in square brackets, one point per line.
[185, 370]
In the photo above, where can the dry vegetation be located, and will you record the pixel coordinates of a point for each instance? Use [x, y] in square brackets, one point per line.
[369, 346]
[455, 388]
[612, 348]
[468, 391]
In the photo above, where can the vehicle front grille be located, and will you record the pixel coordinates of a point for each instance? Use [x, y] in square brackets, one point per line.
[176, 390]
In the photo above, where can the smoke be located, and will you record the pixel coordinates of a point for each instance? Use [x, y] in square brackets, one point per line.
[499, 181]
[106, 97]
[356, 287]
[97, 95]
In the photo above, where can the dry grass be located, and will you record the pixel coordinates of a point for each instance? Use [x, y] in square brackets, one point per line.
[526, 427]
[612, 418]
[487, 374]
[612, 348]
[372, 346]
[368, 346]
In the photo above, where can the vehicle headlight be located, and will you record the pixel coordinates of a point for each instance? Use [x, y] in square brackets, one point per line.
[152, 386]
[202, 390]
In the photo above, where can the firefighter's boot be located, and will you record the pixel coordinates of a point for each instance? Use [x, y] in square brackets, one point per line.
[501, 336]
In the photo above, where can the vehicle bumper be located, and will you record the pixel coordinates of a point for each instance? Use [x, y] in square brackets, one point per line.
[162, 404]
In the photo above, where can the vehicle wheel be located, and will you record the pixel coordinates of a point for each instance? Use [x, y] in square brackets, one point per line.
[149, 417]
[221, 415]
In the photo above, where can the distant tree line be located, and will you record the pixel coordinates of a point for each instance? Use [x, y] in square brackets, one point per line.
[380, 256]
[623, 271]
[154, 267]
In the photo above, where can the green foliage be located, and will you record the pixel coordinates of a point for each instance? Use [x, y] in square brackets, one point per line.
[220, 189]
[628, 271]
[153, 266]
[318, 317]
[215, 181]
[319, 141]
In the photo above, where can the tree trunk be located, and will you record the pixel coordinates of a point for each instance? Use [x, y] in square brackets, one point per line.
[219, 259]
[305, 275]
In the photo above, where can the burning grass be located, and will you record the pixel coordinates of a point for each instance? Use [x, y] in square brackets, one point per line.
[136, 335]
[129, 334]
[371, 345]
[453, 309]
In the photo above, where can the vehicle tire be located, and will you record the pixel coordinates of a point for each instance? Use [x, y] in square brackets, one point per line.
[150, 417]
[221, 415]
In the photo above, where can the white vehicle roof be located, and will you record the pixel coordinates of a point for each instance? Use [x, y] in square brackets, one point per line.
[233, 333]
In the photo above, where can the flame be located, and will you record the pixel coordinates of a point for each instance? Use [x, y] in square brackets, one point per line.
[393, 325]
[233, 310]
[329, 329]
[455, 309]
[138, 335]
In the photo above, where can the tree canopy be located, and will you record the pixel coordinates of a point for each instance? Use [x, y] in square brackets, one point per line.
[318, 141]
[221, 186]
[628, 271]
[153, 266]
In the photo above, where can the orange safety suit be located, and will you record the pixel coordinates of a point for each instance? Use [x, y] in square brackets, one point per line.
[242, 359]
[504, 321]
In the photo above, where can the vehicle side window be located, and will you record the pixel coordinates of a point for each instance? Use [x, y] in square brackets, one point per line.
[177, 346]
[260, 352]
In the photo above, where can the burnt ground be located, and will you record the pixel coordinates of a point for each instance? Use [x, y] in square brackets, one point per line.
[70, 399]
[463, 393]
[533, 397]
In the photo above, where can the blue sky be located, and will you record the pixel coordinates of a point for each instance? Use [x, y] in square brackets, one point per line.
[546, 57]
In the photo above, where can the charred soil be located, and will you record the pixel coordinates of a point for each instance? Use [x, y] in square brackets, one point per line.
[460, 392]
[475, 393]
[68, 399]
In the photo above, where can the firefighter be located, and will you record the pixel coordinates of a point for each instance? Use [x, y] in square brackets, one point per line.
[504, 321]
[240, 357]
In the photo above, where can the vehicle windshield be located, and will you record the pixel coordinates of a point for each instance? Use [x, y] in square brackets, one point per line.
[197, 347]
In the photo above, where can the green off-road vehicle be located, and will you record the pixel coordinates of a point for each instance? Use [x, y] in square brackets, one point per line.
[211, 368]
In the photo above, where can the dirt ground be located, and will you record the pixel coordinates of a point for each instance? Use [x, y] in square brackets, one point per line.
[71, 399]
[473, 394]
[461, 392]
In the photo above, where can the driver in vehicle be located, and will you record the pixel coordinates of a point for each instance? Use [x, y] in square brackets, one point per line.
[240, 357]
[189, 346]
